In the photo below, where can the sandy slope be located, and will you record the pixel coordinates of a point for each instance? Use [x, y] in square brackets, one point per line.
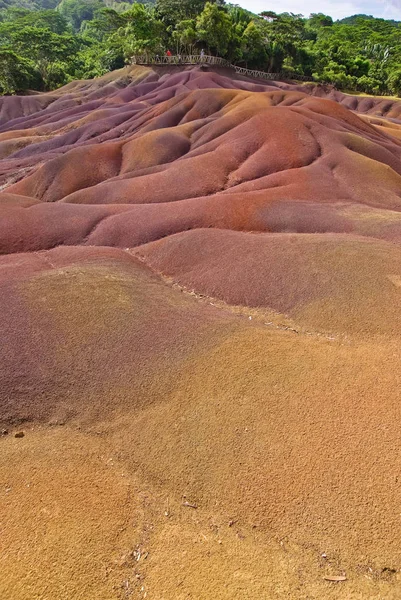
[200, 316]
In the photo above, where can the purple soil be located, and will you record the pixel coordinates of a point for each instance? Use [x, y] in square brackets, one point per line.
[155, 154]
[200, 278]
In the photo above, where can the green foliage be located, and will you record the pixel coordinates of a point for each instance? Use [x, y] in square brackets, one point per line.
[394, 82]
[358, 53]
[239, 16]
[173, 11]
[185, 36]
[16, 73]
[354, 19]
[29, 4]
[318, 20]
[44, 19]
[142, 32]
[105, 23]
[44, 48]
[214, 28]
[40, 43]
[78, 11]
[97, 59]
[254, 44]
[117, 36]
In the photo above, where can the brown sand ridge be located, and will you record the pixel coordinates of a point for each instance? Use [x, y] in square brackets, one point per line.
[200, 309]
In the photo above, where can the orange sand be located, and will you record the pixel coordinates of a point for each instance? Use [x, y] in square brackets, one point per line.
[200, 313]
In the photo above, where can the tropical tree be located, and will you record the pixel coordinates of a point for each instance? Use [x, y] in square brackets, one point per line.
[255, 46]
[141, 33]
[32, 38]
[105, 23]
[318, 20]
[78, 11]
[173, 11]
[16, 73]
[215, 28]
[185, 36]
[394, 82]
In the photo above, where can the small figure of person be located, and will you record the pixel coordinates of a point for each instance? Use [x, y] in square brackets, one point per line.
[168, 53]
[202, 54]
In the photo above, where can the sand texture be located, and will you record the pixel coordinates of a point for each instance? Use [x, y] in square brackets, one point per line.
[200, 317]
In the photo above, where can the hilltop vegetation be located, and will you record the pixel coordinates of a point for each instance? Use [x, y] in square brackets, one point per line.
[47, 43]
[49, 4]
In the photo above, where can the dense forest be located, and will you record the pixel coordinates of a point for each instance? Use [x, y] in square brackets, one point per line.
[47, 43]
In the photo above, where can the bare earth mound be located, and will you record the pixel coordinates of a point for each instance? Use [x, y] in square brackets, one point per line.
[200, 288]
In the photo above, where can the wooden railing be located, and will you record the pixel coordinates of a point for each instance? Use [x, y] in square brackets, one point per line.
[179, 59]
[197, 59]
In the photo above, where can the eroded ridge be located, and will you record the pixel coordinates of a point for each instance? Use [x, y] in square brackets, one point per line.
[201, 318]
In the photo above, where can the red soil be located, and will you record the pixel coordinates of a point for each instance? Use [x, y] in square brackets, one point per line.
[336, 283]
[200, 315]
[274, 161]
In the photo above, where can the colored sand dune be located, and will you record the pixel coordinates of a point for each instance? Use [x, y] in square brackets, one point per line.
[200, 285]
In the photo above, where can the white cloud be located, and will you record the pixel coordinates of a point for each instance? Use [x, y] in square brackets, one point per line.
[387, 9]
[391, 7]
[337, 10]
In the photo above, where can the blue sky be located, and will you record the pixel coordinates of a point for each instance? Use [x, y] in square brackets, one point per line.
[387, 9]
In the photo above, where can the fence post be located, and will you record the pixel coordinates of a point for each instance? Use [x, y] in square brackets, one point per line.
[213, 60]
